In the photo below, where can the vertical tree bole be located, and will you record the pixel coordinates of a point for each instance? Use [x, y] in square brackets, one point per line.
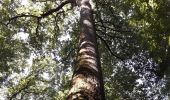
[87, 81]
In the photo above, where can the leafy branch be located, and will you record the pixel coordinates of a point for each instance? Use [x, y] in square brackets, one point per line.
[49, 12]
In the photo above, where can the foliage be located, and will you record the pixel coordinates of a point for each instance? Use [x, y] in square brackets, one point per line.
[133, 40]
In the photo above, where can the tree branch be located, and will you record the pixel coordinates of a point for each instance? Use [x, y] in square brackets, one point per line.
[3, 23]
[21, 15]
[19, 91]
[109, 47]
[106, 27]
[51, 11]
[111, 36]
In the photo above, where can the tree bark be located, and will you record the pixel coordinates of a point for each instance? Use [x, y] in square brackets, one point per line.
[87, 81]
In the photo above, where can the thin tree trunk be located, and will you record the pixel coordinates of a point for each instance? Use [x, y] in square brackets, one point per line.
[87, 81]
[164, 65]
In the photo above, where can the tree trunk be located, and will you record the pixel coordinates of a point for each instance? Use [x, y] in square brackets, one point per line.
[87, 81]
[164, 65]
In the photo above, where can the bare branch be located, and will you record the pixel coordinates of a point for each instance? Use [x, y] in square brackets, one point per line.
[111, 36]
[106, 27]
[109, 48]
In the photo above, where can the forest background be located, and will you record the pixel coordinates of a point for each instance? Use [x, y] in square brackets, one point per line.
[39, 42]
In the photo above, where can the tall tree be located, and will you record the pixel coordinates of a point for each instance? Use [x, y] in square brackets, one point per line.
[87, 81]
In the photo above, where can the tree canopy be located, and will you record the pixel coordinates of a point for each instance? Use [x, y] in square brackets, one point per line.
[39, 42]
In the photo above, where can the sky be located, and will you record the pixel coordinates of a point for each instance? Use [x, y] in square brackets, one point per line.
[24, 2]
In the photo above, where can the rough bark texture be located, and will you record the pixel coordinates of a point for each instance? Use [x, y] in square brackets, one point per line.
[87, 81]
